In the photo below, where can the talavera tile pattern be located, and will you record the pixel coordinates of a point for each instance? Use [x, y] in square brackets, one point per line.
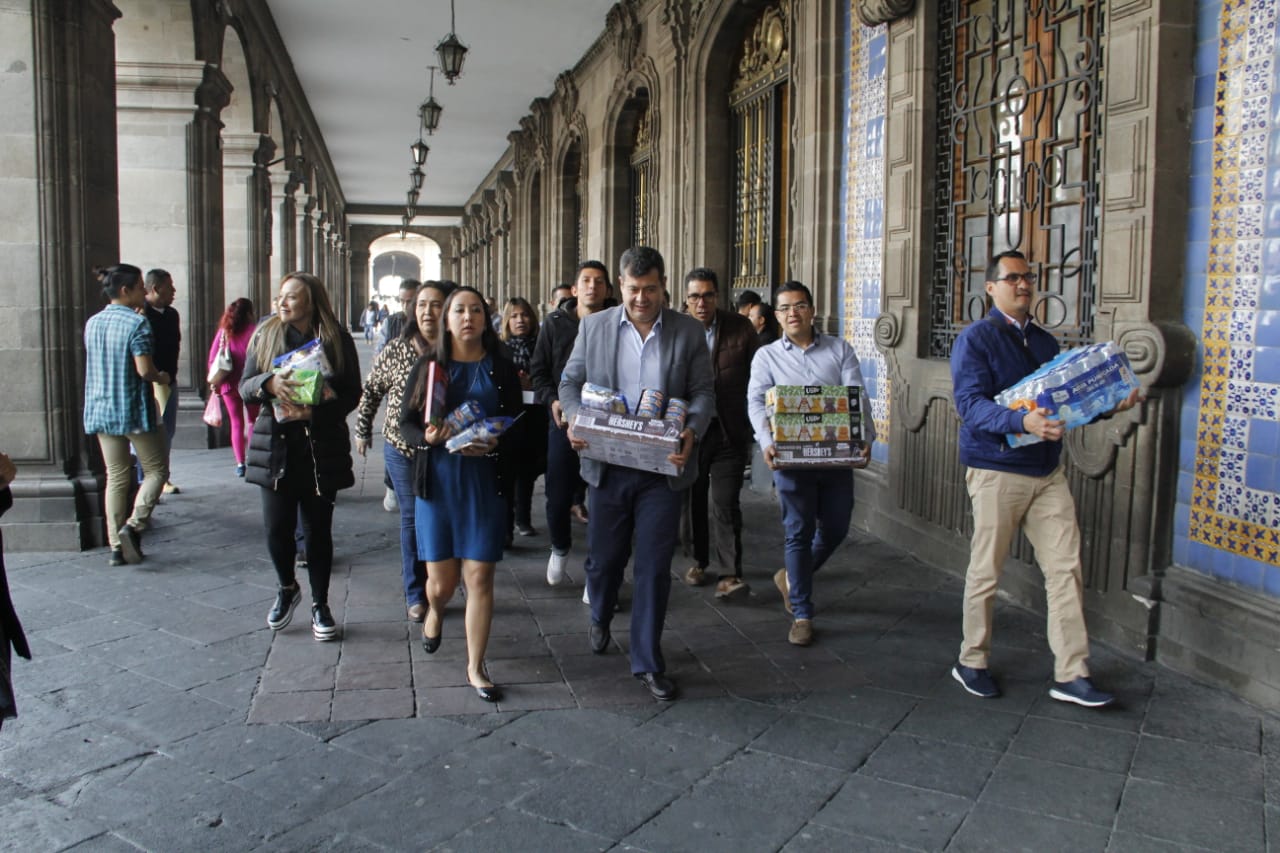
[864, 211]
[1228, 514]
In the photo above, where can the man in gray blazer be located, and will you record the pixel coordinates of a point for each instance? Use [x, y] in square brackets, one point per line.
[637, 345]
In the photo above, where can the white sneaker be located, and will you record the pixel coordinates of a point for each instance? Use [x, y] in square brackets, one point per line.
[586, 599]
[555, 568]
[389, 502]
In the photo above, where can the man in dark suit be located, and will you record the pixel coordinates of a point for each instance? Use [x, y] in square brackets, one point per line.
[722, 454]
[631, 347]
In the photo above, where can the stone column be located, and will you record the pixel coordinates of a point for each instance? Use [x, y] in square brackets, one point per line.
[319, 244]
[358, 292]
[260, 219]
[59, 217]
[204, 225]
[282, 233]
[237, 191]
[155, 109]
[815, 243]
[303, 231]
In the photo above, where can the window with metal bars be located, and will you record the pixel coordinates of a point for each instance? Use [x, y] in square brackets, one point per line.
[641, 181]
[760, 101]
[1018, 149]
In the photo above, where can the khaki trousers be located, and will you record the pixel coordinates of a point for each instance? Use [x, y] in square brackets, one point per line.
[1045, 510]
[152, 449]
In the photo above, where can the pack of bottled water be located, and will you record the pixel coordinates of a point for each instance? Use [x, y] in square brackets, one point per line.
[1075, 387]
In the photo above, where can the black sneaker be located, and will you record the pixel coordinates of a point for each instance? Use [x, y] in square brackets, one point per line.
[287, 599]
[130, 544]
[323, 627]
[117, 558]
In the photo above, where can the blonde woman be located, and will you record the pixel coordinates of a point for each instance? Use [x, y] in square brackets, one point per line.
[301, 457]
[519, 331]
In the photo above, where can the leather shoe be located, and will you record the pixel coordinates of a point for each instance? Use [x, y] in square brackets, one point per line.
[492, 693]
[660, 687]
[429, 643]
[599, 637]
[417, 612]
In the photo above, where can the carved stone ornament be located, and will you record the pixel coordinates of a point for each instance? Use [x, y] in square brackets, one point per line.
[567, 95]
[214, 92]
[888, 331]
[624, 31]
[681, 18]
[263, 154]
[875, 12]
[521, 146]
[540, 111]
[1162, 354]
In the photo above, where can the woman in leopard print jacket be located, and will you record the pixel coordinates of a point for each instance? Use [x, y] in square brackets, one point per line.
[387, 379]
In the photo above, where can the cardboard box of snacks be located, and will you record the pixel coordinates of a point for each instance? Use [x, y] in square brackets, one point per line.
[628, 440]
[817, 426]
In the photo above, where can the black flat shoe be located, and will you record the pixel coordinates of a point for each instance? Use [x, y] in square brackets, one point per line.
[492, 693]
[430, 644]
[659, 686]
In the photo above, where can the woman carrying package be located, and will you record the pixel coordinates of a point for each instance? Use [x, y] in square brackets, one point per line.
[234, 331]
[300, 451]
[119, 408]
[460, 512]
[389, 377]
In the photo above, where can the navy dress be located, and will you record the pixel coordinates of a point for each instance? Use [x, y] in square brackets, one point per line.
[465, 515]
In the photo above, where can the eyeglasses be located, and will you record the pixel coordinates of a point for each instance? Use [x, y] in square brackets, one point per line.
[795, 306]
[1015, 277]
[700, 297]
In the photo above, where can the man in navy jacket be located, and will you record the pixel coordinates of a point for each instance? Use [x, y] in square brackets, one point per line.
[1013, 487]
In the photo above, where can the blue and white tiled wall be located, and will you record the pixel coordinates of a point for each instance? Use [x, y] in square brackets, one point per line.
[863, 213]
[1228, 510]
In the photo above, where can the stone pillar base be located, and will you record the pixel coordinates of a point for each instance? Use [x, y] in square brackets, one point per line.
[52, 512]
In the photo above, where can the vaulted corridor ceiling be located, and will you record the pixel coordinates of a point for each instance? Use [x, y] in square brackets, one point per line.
[363, 67]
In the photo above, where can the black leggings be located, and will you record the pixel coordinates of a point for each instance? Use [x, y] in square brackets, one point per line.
[281, 511]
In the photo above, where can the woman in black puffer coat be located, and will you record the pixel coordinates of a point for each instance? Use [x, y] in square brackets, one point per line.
[301, 455]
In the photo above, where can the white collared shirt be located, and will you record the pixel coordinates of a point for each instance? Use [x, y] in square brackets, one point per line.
[639, 360]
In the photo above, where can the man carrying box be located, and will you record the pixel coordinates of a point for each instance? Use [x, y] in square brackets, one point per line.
[816, 502]
[635, 346]
[1013, 487]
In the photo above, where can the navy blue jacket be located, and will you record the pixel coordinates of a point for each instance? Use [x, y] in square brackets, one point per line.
[987, 358]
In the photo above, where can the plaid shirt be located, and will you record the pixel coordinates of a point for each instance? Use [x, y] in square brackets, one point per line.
[116, 400]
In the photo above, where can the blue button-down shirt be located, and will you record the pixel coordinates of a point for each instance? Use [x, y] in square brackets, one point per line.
[639, 360]
[829, 360]
[116, 400]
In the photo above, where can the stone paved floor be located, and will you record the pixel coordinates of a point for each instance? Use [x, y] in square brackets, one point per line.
[161, 714]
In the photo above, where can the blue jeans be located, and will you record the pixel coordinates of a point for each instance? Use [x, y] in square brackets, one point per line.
[414, 573]
[639, 503]
[816, 506]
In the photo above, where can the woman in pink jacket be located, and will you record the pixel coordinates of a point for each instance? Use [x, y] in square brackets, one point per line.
[236, 328]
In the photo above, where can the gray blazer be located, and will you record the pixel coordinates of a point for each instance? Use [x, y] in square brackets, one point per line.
[686, 371]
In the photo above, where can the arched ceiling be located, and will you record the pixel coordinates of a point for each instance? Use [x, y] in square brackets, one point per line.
[363, 68]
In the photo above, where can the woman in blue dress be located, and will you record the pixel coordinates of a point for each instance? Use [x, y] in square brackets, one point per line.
[460, 510]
